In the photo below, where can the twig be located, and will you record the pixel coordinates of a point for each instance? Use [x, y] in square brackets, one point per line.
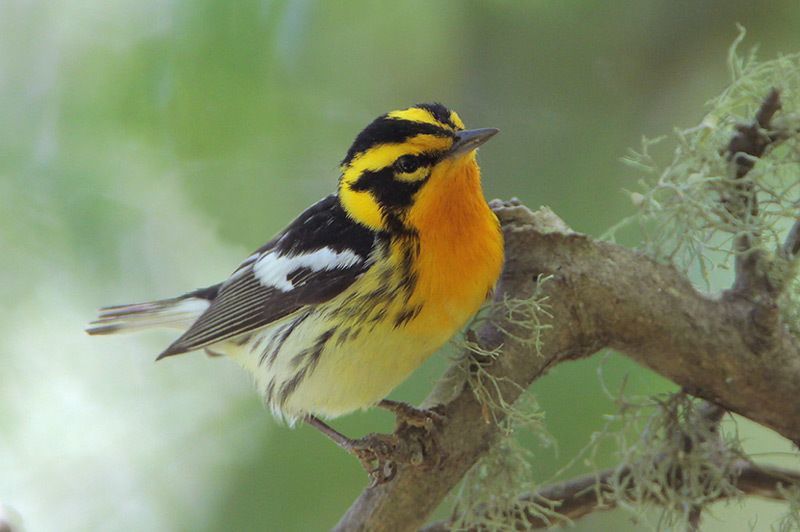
[707, 420]
[581, 496]
[746, 146]
[753, 139]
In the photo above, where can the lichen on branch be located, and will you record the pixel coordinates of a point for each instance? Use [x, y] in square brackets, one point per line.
[692, 204]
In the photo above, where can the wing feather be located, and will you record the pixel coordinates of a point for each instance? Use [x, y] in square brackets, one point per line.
[317, 257]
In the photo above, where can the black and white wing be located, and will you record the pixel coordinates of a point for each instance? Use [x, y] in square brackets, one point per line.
[315, 258]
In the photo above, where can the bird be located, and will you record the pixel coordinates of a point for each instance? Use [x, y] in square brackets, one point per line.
[360, 289]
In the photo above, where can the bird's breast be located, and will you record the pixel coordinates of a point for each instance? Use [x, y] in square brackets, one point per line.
[459, 252]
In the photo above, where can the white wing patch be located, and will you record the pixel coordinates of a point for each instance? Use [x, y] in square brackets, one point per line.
[273, 269]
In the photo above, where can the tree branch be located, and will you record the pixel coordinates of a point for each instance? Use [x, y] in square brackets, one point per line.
[731, 350]
[581, 496]
[600, 295]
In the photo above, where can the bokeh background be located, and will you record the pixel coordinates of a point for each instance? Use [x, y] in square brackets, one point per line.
[147, 146]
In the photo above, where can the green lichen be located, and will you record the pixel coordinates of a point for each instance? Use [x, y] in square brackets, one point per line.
[684, 202]
[488, 391]
[520, 320]
[525, 320]
[674, 461]
[680, 464]
[489, 497]
[684, 197]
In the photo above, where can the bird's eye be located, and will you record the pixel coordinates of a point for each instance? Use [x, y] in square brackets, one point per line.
[406, 164]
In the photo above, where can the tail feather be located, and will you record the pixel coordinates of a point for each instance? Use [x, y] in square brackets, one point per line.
[178, 312]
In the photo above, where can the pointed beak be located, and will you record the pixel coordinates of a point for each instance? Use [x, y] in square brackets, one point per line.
[468, 140]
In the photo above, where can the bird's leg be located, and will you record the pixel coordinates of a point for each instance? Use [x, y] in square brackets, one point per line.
[413, 442]
[376, 452]
[406, 414]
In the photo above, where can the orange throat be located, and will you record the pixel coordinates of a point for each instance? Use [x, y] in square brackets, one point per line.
[460, 245]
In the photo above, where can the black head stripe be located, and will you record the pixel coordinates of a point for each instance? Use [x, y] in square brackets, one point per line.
[385, 130]
[439, 112]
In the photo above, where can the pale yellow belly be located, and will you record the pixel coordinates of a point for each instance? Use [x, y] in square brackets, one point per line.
[311, 364]
[362, 372]
[343, 376]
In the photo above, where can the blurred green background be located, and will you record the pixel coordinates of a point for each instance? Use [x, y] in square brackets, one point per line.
[148, 145]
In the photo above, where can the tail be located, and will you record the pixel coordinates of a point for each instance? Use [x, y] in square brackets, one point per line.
[177, 312]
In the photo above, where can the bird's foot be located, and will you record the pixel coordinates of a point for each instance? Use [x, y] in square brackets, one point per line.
[429, 419]
[418, 428]
[378, 456]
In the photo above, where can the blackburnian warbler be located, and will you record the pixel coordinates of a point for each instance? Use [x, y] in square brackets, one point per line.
[341, 306]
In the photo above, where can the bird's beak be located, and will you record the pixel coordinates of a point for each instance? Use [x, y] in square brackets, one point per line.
[468, 140]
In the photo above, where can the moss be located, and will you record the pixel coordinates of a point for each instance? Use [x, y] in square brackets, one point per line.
[488, 391]
[684, 195]
[520, 320]
[489, 496]
[681, 463]
[525, 320]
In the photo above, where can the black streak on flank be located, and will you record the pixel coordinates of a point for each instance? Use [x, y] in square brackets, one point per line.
[288, 389]
[315, 355]
[271, 351]
[270, 391]
[342, 338]
[282, 337]
[406, 316]
[241, 340]
[379, 315]
[312, 356]
[409, 277]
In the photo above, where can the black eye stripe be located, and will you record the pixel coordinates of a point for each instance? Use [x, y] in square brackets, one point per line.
[388, 191]
[410, 163]
[370, 179]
